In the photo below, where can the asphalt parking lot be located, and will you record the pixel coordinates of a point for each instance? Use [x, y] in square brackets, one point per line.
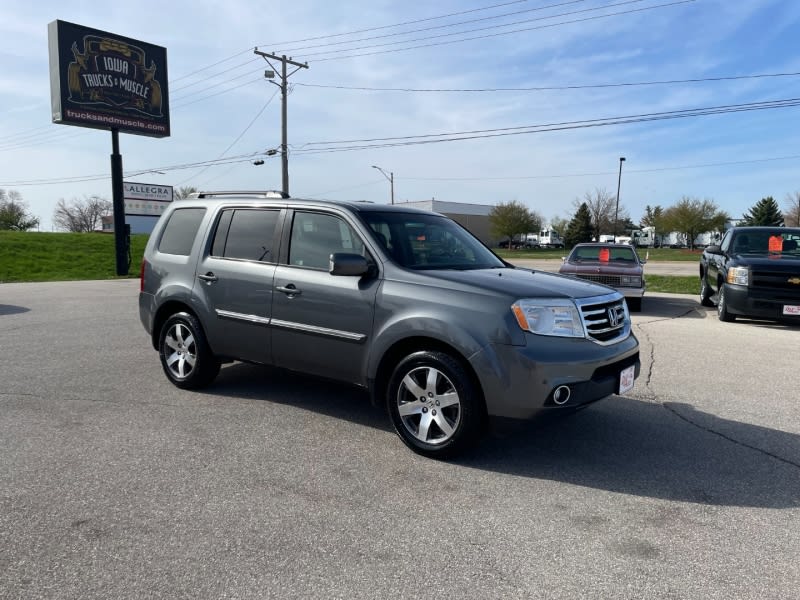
[115, 484]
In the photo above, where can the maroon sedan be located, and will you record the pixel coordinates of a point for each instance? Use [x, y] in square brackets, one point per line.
[614, 265]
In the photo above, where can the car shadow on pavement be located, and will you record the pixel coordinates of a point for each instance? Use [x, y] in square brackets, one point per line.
[269, 384]
[667, 451]
[10, 309]
[711, 313]
[670, 306]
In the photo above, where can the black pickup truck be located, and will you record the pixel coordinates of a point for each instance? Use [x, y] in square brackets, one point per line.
[753, 272]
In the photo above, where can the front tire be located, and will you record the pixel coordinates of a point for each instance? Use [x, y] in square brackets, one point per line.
[722, 307]
[435, 406]
[634, 304]
[185, 356]
[705, 292]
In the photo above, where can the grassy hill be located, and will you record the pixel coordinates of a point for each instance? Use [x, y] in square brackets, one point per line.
[33, 256]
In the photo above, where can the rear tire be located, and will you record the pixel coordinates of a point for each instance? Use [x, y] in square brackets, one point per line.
[185, 356]
[434, 404]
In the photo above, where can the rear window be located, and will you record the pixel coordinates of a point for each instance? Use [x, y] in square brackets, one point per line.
[180, 231]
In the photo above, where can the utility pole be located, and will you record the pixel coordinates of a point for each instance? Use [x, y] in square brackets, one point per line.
[284, 92]
[616, 211]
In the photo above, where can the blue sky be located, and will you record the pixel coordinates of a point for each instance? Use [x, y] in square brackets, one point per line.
[225, 110]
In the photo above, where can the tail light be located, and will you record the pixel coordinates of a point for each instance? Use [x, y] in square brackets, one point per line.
[141, 275]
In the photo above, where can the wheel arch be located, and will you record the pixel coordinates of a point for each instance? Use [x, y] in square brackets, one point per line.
[164, 312]
[402, 348]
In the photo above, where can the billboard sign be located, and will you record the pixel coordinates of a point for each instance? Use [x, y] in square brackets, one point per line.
[107, 81]
[146, 199]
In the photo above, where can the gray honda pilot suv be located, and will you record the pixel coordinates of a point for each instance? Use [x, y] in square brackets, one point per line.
[403, 302]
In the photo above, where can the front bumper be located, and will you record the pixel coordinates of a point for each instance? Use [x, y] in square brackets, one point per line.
[630, 292]
[519, 381]
[760, 304]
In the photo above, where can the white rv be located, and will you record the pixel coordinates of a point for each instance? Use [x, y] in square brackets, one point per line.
[674, 239]
[706, 239]
[549, 238]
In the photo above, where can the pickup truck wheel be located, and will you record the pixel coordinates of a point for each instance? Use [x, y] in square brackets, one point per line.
[705, 292]
[435, 407]
[185, 356]
[722, 307]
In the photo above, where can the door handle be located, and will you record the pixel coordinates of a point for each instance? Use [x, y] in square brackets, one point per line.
[208, 277]
[290, 290]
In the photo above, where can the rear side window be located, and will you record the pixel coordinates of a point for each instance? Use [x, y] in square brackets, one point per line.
[246, 234]
[180, 231]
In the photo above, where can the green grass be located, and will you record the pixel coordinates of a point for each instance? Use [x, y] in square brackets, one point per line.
[74, 256]
[30, 256]
[673, 284]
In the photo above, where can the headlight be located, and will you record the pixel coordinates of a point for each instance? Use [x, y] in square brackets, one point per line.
[548, 316]
[631, 281]
[739, 275]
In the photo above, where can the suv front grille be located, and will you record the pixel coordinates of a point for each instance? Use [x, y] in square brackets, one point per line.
[605, 318]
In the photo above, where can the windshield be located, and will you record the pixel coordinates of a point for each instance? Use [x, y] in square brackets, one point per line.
[767, 242]
[429, 241]
[619, 253]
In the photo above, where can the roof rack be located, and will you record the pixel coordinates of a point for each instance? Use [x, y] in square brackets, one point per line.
[252, 194]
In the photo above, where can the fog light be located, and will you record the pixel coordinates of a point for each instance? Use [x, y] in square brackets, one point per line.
[561, 395]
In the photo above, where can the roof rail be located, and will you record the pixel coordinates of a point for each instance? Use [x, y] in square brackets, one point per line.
[253, 194]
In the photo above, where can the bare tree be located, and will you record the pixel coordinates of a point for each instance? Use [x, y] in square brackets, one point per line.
[14, 213]
[602, 208]
[183, 192]
[81, 216]
[792, 214]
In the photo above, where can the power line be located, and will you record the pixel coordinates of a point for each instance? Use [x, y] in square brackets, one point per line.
[448, 25]
[381, 52]
[80, 179]
[212, 75]
[460, 136]
[556, 87]
[321, 37]
[603, 173]
[482, 37]
[84, 178]
[38, 136]
[233, 143]
[219, 62]
[46, 133]
[433, 137]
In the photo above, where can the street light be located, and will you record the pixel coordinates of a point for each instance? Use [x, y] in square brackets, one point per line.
[390, 177]
[616, 211]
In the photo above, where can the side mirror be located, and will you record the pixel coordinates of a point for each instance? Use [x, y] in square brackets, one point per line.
[348, 265]
[714, 249]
